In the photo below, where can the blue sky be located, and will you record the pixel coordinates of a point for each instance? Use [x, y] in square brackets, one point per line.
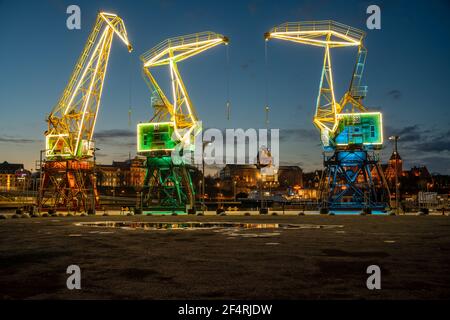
[407, 72]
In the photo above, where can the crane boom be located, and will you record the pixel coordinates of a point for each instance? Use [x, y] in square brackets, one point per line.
[328, 34]
[179, 111]
[71, 123]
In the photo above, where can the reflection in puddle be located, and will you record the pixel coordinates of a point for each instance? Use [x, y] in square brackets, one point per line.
[218, 226]
[254, 235]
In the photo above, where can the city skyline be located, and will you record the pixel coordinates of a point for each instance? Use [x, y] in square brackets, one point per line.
[413, 108]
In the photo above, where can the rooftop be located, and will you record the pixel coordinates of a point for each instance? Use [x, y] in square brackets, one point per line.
[10, 168]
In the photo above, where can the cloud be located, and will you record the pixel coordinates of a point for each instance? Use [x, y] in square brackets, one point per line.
[114, 133]
[11, 139]
[395, 94]
[421, 146]
[101, 155]
[409, 129]
[435, 144]
[421, 140]
[436, 164]
[409, 133]
[298, 134]
[116, 137]
[291, 163]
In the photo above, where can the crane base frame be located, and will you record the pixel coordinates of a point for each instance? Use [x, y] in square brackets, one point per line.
[68, 185]
[349, 175]
[167, 187]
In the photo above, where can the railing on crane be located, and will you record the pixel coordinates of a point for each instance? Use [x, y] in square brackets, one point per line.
[187, 46]
[301, 30]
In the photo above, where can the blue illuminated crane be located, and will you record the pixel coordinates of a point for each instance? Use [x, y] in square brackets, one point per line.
[350, 134]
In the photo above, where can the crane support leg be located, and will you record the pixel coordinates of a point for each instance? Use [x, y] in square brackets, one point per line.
[351, 180]
[168, 187]
[68, 185]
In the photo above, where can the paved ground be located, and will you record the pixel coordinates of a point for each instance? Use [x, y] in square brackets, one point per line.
[309, 263]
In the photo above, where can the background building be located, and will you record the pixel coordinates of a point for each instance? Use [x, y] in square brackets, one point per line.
[13, 177]
[290, 176]
[246, 178]
[239, 178]
[129, 173]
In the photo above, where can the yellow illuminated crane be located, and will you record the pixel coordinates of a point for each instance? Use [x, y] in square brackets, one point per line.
[174, 124]
[71, 122]
[347, 128]
[327, 34]
[67, 171]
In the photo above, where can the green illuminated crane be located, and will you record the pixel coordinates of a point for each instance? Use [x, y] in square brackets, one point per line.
[174, 124]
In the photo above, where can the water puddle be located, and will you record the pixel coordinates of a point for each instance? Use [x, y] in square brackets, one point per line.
[215, 226]
[252, 235]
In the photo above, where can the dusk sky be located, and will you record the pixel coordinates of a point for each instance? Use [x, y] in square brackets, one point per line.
[407, 71]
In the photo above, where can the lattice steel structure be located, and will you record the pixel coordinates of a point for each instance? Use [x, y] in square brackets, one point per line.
[350, 134]
[172, 129]
[68, 179]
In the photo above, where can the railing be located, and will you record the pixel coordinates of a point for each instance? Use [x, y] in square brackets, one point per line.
[180, 41]
[324, 25]
[359, 92]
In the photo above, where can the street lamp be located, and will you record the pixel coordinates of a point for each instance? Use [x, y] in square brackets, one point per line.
[205, 143]
[397, 189]
[94, 180]
[21, 181]
[40, 191]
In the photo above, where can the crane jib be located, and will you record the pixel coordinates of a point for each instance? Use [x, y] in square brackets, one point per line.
[72, 121]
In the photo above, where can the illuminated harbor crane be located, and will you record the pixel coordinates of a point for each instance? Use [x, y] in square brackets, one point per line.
[350, 135]
[68, 180]
[168, 184]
